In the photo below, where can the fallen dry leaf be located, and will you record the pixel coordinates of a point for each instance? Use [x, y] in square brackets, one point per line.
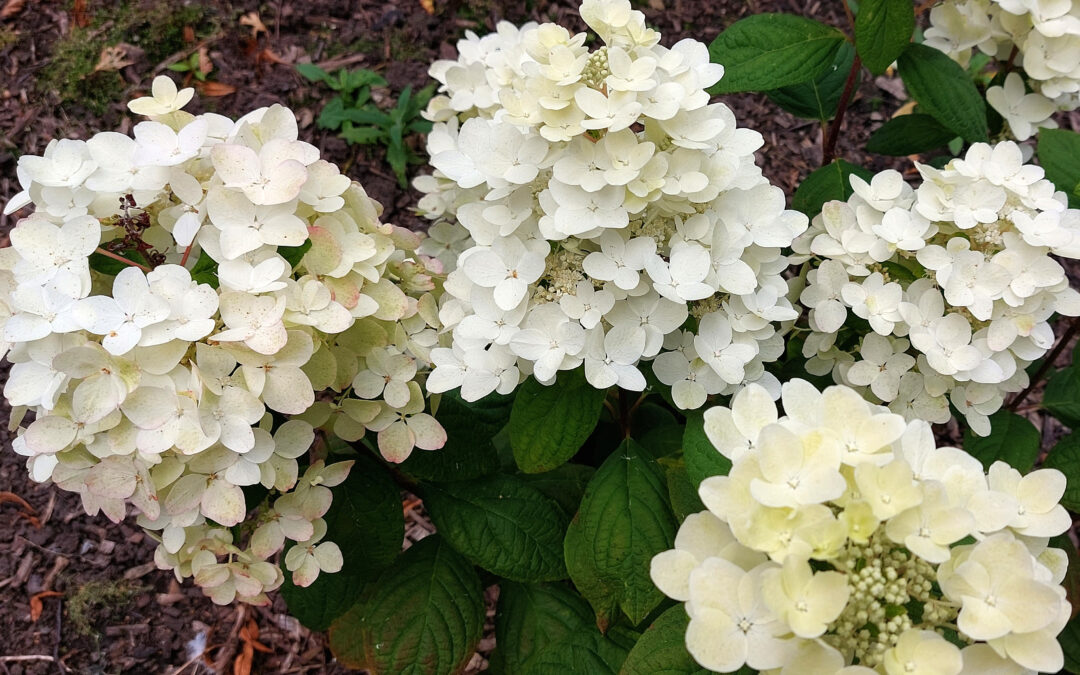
[214, 89]
[11, 8]
[115, 57]
[428, 6]
[79, 15]
[257, 26]
[249, 635]
[37, 607]
[189, 34]
[268, 55]
[27, 512]
[205, 64]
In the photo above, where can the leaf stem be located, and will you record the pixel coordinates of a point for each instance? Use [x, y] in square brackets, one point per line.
[187, 252]
[1066, 337]
[120, 258]
[828, 148]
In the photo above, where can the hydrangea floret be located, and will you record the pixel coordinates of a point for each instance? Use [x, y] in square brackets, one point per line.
[919, 297]
[843, 541]
[184, 308]
[1040, 36]
[595, 208]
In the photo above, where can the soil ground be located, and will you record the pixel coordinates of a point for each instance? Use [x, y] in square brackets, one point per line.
[111, 610]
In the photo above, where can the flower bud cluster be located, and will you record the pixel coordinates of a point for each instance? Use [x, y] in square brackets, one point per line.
[598, 210]
[173, 298]
[1044, 34]
[919, 297]
[843, 541]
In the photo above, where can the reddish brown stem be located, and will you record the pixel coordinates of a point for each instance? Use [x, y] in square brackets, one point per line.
[925, 6]
[187, 252]
[1046, 364]
[120, 258]
[828, 148]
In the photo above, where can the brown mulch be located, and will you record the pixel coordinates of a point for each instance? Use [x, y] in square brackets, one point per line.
[51, 554]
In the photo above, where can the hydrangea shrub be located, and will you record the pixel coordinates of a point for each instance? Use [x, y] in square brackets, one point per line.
[183, 309]
[616, 320]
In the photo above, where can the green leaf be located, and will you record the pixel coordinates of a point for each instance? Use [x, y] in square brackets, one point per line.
[362, 135]
[883, 29]
[311, 72]
[1062, 396]
[1070, 644]
[530, 617]
[581, 653]
[819, 98]
[830, 182]
[470, 428]
[624, 520]
[549, 423]
[294, 254]
[205, 270]
[1013, 439]
[769, 51]
[944, 90]
[1059, 154]
[424, 615]
[111, 266]
[366, 521]
[662, 648]
[502, 524]
[909, 135]
[682, 492]
[317, 605]
[333, 114]
[702, 459]
[1065, 457]
[565, 485]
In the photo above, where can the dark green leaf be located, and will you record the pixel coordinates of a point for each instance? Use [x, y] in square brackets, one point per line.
[424, 615]
[362, 135]
[110, 266]
[470, 428]
[566, 484]
[311, 72]
[883, 29]
[1070, 644]
[1012, 439]
[662, 441]
[366, 521]
[530, 617]
[909, 135]
[205, 270]
[624, 520]
[294, 254]
[819, 98]
[549, 423]
[581, 653]
[683, 492]
[769, 51]
[502, 524]
[702, 459]
[944, 90]
[1065, 457]
[317, 605]
[1059, 154]
[662, 648]
[826, 184]
[1062, 396]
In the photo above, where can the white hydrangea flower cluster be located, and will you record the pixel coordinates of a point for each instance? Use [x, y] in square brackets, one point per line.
[844, 542]
[1045, 35]
[919, 297]
[591, 201]
[174, 298]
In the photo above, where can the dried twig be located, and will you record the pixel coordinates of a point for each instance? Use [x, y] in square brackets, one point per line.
[35, 657]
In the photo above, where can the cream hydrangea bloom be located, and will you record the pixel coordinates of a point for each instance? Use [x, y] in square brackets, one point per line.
[864, 578]
[956, 282]
[601, 201]
[210, 278]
